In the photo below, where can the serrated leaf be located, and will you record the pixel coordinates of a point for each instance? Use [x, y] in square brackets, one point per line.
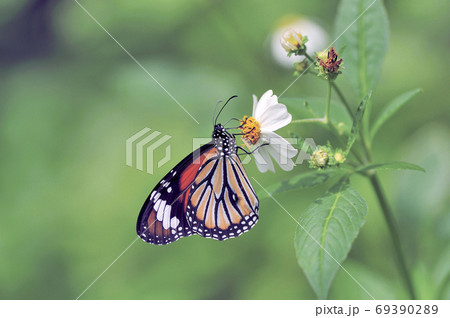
[357, 122]
[362, 26]
[397, 165]
[302, 181]
[391, 109]
[326, 233]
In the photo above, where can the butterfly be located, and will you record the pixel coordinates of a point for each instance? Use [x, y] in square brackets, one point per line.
[208, 193]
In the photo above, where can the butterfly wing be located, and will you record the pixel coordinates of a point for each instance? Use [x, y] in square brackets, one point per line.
[162, 219]
[222, 202]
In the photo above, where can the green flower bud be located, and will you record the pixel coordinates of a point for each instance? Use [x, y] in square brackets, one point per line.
[320, 157]
[300, 67]
[338, 157]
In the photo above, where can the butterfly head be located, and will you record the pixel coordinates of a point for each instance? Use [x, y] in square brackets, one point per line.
[224, 142]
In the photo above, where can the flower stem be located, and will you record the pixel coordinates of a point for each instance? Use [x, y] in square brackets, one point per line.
[309, 58]
[364, 143]
[309, 120]
[327, 105]
[393, 229]
[343, 100]
[338, 91]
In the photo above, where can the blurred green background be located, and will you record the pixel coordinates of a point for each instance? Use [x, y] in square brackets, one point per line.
[70, 97]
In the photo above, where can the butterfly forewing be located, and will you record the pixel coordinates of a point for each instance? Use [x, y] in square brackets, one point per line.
[162, 219]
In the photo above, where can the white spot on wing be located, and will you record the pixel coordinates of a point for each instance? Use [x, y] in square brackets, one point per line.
[166, 218]
[174, 222]
[159, 207]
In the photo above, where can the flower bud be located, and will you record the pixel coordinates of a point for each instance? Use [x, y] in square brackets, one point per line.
[328, 64]
[293, 42]
[320, 157]
[317, 38]
[300, 67]
[338, 157]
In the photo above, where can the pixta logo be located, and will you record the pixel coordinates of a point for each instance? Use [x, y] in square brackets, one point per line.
[141, 148]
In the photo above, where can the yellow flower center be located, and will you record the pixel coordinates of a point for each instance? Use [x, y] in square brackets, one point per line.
[251, 130]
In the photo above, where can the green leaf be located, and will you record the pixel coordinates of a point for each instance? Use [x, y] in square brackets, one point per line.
[397, 165]
[302, 181]
[326, 232]
[363, 27]
[357, 122]
[391, 109]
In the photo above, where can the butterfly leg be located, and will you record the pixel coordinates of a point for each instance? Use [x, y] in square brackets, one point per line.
[251, 152]
[241, 134]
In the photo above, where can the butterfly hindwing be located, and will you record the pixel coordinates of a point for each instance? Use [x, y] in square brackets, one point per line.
[222, 203]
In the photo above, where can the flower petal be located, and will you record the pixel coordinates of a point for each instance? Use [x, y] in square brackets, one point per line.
[275, 117]
[267, 100]
[280, 150]
[283, 144]
[255, 105]
[280, 157]
[262, 160]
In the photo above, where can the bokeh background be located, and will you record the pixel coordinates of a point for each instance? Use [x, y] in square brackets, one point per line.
[70, 97]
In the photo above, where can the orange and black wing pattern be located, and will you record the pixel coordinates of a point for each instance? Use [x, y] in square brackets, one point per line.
[208, 193]
[222, 203]
[162, 219]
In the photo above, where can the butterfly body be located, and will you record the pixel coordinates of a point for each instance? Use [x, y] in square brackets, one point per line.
[208, 193]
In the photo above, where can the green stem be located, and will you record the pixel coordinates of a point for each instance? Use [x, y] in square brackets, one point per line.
[343, 100]
[364, 143]
[309, 120]
[309, 58]
[327, 105]
[338, 91]
[366, 149]
[393, 229]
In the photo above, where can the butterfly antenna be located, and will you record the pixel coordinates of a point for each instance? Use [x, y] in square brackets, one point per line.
[214, 115]
[215, 121]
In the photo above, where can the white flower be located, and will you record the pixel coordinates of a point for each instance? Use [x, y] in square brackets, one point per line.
[268, 116]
